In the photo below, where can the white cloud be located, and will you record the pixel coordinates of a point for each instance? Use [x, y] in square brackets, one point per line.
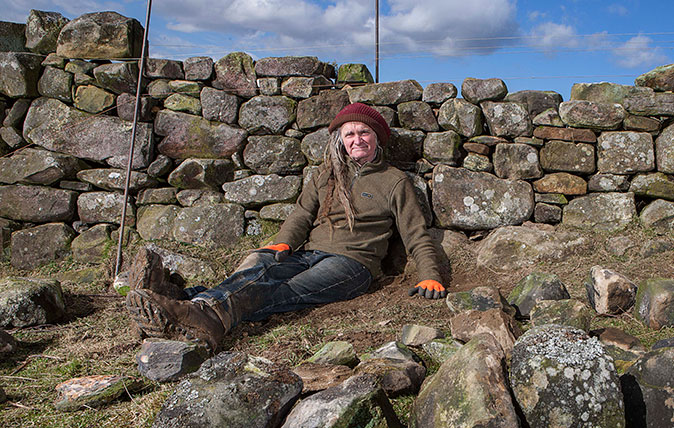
[637, 52]
[535, 15]
[14, 11]
[618, 9]
[550, 37]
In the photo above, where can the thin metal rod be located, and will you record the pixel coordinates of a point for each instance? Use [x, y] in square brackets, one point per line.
[376, 41]
[133, 138]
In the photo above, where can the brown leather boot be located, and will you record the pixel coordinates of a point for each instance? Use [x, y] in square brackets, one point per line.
[160, 316]
[148, 272]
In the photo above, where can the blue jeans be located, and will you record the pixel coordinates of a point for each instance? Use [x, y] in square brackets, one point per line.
[263, 286]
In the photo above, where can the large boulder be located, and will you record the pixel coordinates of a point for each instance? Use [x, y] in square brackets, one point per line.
[39, 245]
[469, 389]
[37, 203]
[561, 376]
[660, 78]
[507, 119]
[57, 127]
[211, 226]
[189, 136]
[267, 115]
[473, 200]
[42, 31]
[232, 389]
[601, 211]
[588, 114]
[478, 90]
[625, 152]
[272, 154]
[101, 35]
[19, 74]
[320, 109]
[36, 166]
[536, 102]
[235, 73]
[459, 115]
[258, 190]
[388, 93]
[26, 302]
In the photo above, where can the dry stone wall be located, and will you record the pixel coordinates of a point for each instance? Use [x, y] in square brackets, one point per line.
[221, 145]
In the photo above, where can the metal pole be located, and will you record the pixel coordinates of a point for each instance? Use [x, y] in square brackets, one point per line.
[133, 138]
[376, 41]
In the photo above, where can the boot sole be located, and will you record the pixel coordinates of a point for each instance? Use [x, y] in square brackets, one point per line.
[153, 320]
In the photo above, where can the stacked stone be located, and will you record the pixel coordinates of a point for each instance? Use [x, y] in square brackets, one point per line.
[221, 145]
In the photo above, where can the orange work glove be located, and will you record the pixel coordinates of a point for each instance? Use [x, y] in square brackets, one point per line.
[429, 289]
[281, 250]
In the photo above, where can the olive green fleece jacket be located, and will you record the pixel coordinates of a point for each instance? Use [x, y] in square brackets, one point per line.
[382, 197]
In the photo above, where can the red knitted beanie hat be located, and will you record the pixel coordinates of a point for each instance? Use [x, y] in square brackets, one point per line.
[359, 112]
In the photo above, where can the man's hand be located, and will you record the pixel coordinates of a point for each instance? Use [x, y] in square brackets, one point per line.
[281, 251]
[429, 289]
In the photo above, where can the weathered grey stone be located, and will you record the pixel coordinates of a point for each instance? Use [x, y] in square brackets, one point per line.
[440, 350]
[36, 203]
[565, 134]
[42, 31]
[549, 117]
[417, 335]
[80, 66]
[659, 216]
[184, 103]
[101, 35]
[53, 60]
[273, 154]
[338, 353]
[293, 66]
[17, 113]
[202, 174]
[215, 226]
[389, 93]
[37, 246]
[588, 114]
[156, 68]
[664, 150]
[115, 179]
[660, 78]
[219, 105]
[438, 93]
[561, 182]
[304, 87]
[551, 198]
[655, 104]
[206, 399]
[192, 197]
[624, 152]
[235, 73]
[317, 377]
[404, 145]
[161, 166]
[92, 99]
[164, 360]
[319, 110]
[516, 162]
[78, 186]
[56, 83]
[188, 136]
[624, 348]
[641, 123]
[568, 157]
[7, 347]
[126, 105]
[417, 115]
[656, 246]
[653, 302]
[93, 391]
[561, 375]
[36, 166]
[314, 144]
[26, 302]
[609, 212]
[619, 245]
[159, 89]
[536, 102]
[259, 190]
[477, 163]
[191, 269]
[609, 292]
[118, 77]
[11, 138]
[276, 212]
[59, 128]
[93, 244]
[156, 221]
[535, 287]
[567, 312]
[354, 73]
[470, 389]
[461, 116]
[480, 298]
[544, 213]
[198, 68]
[507, 119]
[357, 401]
[397, 376]
[442, 147]
[164, 195]
[269, 86]
[473, 201]
[267, 115]
[608, 183]
[478, 90]
[606, 92]
[186, 87]
[104, 207]
[19, 74]
[657, 185]
[12, 37]
[647, 389]
[663, 343]
[468, 324]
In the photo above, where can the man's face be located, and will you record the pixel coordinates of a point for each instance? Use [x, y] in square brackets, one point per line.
[360, 141]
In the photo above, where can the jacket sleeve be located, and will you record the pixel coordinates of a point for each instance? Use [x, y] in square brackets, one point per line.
[295, 229]
[412, 228]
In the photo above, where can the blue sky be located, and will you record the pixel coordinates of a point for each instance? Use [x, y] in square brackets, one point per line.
[543, 45]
